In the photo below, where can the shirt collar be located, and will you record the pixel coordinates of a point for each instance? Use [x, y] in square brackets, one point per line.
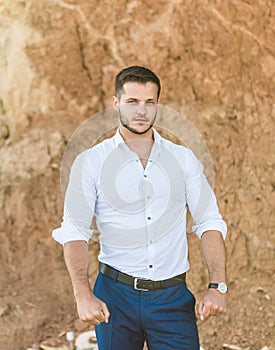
[119, 139]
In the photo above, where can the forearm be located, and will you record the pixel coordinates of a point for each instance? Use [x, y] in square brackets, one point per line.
[77, 261]
[213, 251]
[89, 307]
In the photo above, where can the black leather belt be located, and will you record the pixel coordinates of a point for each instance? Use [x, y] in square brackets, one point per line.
[140, 283]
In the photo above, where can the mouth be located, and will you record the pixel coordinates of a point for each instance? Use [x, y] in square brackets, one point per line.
[138, 120]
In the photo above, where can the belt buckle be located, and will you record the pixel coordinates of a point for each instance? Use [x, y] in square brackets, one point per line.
[136, 282]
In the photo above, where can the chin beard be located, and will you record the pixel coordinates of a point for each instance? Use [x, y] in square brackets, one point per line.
[134, 131]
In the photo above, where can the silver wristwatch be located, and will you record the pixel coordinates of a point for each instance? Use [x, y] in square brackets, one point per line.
[221, 287]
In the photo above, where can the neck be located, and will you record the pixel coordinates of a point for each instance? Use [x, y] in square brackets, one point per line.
[128, 136]
[140, 144]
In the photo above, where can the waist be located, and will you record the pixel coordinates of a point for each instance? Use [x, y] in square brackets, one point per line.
[141, 284]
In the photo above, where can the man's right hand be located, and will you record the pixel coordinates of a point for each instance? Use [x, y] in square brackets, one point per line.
[91, 309]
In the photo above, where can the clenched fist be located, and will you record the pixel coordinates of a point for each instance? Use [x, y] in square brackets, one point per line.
[91, 309]
[213, 303]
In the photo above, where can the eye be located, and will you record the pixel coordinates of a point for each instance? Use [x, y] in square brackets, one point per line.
[151, 103]
[132, 102]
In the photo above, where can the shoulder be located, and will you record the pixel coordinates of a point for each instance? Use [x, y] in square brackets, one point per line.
[178, 150]
[100, 149]
[184, 155]
[94, 155]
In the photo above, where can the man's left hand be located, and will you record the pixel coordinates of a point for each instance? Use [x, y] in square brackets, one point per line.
[213, 303]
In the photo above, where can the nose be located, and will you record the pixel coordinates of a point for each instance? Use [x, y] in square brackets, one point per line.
[141, 110]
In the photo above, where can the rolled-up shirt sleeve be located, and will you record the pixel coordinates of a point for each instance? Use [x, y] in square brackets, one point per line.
[201, 200]
[79, 203]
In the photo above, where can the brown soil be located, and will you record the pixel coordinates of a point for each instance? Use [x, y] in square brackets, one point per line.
[58, 60]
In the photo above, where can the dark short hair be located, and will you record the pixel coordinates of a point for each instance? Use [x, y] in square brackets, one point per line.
[136, 74]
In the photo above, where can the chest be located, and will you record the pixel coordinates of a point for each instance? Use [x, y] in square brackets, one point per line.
[141, 183]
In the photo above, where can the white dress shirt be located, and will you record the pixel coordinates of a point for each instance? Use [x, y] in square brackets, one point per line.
[140, 213]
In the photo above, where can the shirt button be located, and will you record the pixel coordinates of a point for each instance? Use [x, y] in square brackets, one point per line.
[145, 175]
[149, 217]
[150, 266]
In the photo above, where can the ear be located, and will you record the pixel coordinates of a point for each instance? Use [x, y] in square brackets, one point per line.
[115, 101]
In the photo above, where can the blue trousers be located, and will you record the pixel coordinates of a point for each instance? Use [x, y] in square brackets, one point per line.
[164, 318]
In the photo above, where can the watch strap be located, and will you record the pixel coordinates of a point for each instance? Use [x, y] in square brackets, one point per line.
[220, 287]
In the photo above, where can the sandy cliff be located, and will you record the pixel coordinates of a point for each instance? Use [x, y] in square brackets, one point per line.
[58, 60]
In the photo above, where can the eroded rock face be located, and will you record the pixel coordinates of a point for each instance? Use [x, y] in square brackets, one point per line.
[58, 60]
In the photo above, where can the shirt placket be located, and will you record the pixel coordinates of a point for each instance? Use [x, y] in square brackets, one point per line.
[149, 217]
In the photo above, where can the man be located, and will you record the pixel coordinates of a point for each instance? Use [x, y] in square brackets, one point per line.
[139, 185]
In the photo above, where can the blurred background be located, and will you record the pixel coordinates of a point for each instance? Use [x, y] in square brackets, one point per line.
[58, 60]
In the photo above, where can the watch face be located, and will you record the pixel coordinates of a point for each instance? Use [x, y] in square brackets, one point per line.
[222, 288]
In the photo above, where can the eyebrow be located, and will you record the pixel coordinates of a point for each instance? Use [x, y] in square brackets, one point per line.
[135, 99]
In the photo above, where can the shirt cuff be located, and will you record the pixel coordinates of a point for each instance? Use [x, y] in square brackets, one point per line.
[217, 225]
[63, 235]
